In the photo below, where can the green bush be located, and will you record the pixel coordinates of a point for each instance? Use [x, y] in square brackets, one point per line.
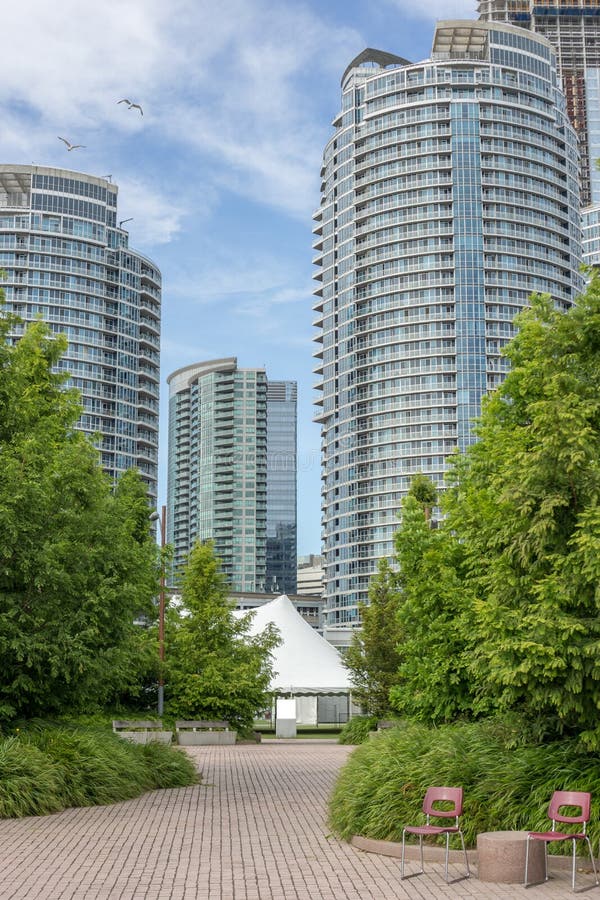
[356, 730]
[168, 766]
[45, 769]
[97, 767]
[30, 783]
[506, 785]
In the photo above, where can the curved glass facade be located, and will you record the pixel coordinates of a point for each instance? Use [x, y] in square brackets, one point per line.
[573, 29]
[67, 261]
[449, 194]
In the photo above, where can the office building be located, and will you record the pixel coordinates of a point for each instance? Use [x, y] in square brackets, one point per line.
[68, 261]
[282, 404]
[449, 193]
[219, 475]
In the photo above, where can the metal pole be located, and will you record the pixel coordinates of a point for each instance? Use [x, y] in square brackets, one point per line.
[161, 613]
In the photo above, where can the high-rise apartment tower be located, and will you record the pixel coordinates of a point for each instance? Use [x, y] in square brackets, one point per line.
[573, 29]
[67, 260]
[449, 193]
[231, 470]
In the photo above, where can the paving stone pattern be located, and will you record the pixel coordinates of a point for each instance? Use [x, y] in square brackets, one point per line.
[255, 829]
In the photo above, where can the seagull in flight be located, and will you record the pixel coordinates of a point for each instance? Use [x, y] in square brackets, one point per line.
[131, 105]
[71, 146]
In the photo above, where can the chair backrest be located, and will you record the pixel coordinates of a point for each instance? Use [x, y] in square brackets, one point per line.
[561, 799]
[449, 794]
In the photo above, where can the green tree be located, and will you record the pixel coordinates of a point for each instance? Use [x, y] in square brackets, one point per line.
[424, 491]
[76, 565]
[216, 669]
[525, 506]
[434, 620]
[373, 657]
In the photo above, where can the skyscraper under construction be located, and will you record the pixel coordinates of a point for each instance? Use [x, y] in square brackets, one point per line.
[573, 29]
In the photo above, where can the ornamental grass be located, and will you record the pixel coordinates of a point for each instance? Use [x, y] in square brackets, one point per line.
[507, 786]
[46, 768]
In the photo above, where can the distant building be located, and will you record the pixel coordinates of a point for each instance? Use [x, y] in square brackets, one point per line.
[310, 575]
[221, 471]
[68, 261]
[282, 403]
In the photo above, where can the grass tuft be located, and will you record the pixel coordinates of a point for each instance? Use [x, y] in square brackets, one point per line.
[357, 729]
[30, 783]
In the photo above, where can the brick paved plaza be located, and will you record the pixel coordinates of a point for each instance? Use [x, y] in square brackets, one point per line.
[255, 829]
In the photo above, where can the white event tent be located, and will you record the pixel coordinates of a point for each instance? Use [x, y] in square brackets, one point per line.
[305, 665]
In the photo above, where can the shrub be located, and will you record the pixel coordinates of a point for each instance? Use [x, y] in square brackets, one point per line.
[30, 783]
[97, 766]
[506, 786]
[356, 730]
[168, 766]
[48, 768]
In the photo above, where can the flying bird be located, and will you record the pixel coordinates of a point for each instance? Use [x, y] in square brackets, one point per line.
[71, 146]
[131, 105]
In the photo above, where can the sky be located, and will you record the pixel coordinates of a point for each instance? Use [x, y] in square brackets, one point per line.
[220, 176]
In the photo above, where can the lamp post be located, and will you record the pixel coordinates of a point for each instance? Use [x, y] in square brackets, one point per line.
[162, 521]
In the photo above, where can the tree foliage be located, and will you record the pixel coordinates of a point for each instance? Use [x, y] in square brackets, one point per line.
[433, 620]
[216, 670]
[77, 561]
[425, 492]
[500, 604]
[525, 503]
[373, 656]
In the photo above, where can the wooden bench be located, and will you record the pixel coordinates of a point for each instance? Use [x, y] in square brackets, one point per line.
[141, 731]
[193, 732]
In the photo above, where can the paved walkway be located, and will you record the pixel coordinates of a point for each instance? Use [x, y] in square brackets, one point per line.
[253, 830]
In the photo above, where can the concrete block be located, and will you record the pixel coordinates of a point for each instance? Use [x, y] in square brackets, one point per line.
[501, 857]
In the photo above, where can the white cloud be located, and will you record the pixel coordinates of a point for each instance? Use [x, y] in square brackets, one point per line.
[157, 219]
[226, 84]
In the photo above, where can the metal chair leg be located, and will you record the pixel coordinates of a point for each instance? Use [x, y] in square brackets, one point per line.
[589, 843]
[447, 853]
[462, 839]
[402, 860]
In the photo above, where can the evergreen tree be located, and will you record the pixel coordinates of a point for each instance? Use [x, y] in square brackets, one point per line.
[525, 505]
[216, 669]
[432, 681]
[373, 657]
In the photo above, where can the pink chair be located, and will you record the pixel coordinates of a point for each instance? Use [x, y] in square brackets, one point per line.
[433, 796]
[561, 799]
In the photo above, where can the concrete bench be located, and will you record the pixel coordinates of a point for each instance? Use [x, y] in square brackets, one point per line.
[193, 732]
[501, 857]
[140, 731]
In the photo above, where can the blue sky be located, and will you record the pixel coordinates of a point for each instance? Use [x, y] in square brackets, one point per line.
[221, 174]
